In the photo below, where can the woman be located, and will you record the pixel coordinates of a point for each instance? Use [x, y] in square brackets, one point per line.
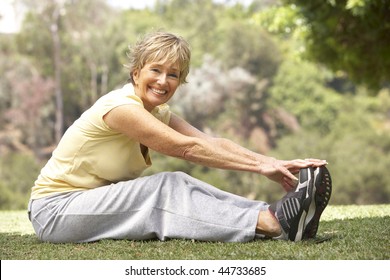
[92, 189]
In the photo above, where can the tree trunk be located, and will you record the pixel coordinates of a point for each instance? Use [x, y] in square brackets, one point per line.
[104, 87]
[94, 85]
[57, 74]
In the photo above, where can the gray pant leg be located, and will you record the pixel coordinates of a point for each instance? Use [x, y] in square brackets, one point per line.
[165, 205]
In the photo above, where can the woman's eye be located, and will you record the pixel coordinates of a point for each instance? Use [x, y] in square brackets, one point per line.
[155, 70]
[174, 75]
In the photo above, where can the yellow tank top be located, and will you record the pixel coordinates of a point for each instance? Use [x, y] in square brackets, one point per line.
[91, 155]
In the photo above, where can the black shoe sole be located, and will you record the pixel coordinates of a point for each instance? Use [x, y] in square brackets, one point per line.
[298, 224]
[322, 188]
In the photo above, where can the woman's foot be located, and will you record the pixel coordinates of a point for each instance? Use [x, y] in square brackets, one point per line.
[295, 210]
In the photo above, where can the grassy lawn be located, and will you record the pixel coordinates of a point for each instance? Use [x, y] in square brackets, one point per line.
[345, 233]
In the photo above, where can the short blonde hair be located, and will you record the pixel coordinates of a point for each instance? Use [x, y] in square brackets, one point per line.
[160, 47]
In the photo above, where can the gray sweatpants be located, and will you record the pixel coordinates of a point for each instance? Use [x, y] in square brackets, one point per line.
[164, 205]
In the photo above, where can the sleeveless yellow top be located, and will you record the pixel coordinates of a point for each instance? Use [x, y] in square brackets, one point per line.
[91, 155]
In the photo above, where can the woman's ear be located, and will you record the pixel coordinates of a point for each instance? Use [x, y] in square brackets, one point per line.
[135, 76]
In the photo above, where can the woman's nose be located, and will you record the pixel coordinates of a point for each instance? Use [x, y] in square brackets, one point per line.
[162, 79]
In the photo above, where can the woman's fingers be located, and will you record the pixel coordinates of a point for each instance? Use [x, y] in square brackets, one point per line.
[287, 173]
[283, 171]
[288, 184]
[317, 162]
[289, 181]
[303, 163]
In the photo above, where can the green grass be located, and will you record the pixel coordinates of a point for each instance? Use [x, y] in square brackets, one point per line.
[345, 233]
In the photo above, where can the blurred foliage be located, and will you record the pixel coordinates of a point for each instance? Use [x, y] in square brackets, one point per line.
[17, 175]
[357, 151]
[305, 95]
[249, 82]
[348, 35]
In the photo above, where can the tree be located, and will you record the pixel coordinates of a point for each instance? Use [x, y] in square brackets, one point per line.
[24, 109]
[51, 12]
[300, 88]
[91, 46]
[75, 44]
[208, 91]
[356, 148]
[196, 21]
[17, 173]
[248, 47]
[27, 113]
[347, 35]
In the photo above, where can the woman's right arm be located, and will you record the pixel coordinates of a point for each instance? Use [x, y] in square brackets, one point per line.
[182, 140]
[141, 126]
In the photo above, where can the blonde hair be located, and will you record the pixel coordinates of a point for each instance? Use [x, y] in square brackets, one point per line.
[160, 47]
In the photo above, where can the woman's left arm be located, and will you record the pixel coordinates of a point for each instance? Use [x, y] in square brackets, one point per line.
[280, 171]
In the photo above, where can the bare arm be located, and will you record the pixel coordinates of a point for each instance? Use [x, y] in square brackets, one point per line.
[139, 125]
[280, 171]
[184, 141]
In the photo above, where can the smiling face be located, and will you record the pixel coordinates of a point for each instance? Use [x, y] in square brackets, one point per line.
[158, 64]
[156, 83]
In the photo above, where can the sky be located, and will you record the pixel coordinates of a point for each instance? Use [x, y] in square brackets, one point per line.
[11, 14]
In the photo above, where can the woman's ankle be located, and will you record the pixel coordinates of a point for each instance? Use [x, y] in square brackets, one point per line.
[267, 224]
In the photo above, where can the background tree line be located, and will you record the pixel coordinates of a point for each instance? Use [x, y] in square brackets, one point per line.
[285, 78]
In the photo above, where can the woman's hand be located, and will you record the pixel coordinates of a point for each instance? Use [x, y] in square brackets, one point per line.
[282, 171]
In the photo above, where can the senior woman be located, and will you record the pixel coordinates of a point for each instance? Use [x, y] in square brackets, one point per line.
[92, 189]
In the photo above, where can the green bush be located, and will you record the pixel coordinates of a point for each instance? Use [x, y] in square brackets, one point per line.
[17, 175]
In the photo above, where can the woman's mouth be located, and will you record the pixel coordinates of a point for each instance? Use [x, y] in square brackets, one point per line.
[158, 91]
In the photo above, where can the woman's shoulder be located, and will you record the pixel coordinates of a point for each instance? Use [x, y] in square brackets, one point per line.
[123, 95]
[93, 117]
